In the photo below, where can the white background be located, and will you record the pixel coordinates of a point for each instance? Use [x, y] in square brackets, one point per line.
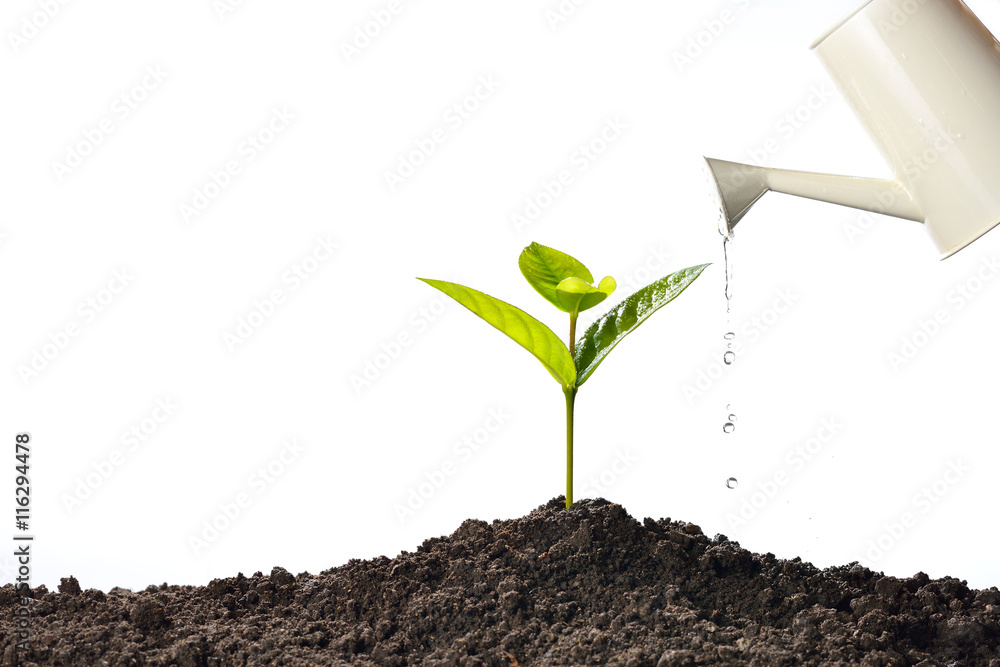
[854, 297]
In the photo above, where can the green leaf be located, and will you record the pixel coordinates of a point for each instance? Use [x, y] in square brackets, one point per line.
[602, 336]
[576, 296]
[544, 268]
[521, 327]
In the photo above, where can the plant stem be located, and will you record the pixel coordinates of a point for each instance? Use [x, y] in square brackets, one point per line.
[572, 334]
[570, 399]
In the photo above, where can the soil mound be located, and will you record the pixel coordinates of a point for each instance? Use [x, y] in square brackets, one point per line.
[588, 586]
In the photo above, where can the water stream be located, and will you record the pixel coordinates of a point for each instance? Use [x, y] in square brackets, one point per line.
[727, 244]
[730, 355]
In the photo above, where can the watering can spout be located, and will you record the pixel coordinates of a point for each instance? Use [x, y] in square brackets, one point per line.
[739, 186]
[925, 84]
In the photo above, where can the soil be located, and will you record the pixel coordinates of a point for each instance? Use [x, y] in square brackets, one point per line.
[588, 586]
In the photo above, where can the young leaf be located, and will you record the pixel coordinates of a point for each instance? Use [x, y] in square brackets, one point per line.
[521, 327]
[576, 296]
[602, 336]
[544, 268]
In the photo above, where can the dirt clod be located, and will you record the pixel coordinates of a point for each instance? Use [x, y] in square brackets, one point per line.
[69, 586]
[588, 586]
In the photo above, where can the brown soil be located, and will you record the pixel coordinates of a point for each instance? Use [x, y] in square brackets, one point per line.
[589, 586]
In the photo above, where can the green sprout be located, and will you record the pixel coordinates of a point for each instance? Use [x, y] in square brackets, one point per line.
[569, 286]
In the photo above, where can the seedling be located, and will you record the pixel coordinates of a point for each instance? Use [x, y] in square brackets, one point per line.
[569, 286]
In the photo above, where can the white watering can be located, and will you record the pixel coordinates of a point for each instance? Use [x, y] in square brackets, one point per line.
[924, 78]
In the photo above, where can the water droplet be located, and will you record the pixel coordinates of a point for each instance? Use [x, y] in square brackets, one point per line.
[732, 483]
[728, 427]
[730, 336]
[729, 357]
[732, 418]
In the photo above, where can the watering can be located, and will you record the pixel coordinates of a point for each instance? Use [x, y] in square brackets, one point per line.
[924, 78]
